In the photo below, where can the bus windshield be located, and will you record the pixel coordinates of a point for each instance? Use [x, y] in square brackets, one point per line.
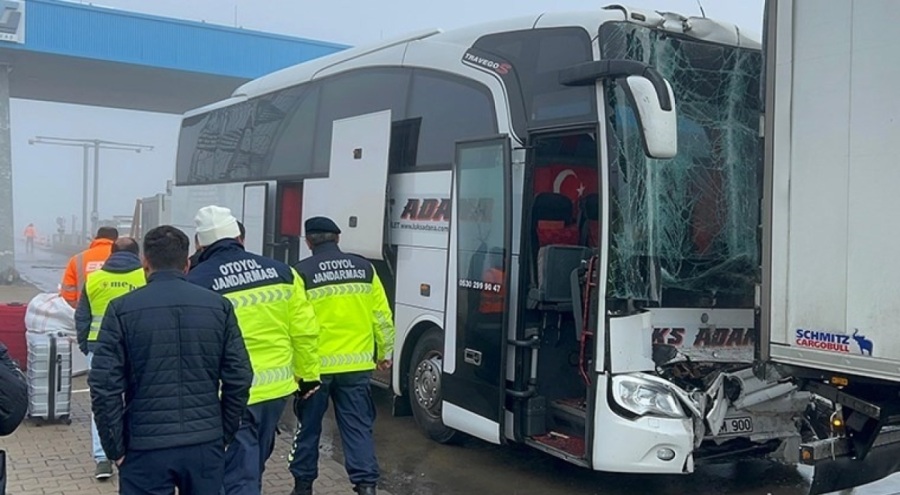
[683, 231]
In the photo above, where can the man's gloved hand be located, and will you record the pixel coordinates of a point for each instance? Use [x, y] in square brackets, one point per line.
[306, 389]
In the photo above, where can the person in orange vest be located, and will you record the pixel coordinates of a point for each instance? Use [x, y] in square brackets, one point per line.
[85, 262]
[493, 294]
[30, 234]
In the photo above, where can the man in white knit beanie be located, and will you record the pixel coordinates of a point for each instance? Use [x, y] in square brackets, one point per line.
[280, 332]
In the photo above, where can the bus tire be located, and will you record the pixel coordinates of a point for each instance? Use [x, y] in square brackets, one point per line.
[424, 379]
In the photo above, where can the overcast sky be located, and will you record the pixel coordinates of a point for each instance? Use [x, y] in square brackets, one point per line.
[126, 176]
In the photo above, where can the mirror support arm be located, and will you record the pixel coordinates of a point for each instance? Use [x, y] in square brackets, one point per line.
[588, 73]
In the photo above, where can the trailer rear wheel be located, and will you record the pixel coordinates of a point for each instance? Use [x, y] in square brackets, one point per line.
[425, 386]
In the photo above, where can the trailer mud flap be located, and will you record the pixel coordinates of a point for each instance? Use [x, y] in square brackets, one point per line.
[841, 473]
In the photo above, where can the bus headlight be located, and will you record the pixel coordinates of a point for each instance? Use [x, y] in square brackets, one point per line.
[644, 397]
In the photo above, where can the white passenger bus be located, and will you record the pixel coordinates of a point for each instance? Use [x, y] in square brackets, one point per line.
[560, 276]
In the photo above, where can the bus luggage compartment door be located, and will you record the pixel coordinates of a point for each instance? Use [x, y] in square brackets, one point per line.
[355, 191]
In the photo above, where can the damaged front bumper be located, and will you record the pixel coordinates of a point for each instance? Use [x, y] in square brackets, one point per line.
[748, 417]
[737, 416]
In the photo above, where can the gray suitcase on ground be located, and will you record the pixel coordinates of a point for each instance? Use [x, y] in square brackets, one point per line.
[49, 378]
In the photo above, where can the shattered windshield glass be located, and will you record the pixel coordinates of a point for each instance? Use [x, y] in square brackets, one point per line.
[684, 230]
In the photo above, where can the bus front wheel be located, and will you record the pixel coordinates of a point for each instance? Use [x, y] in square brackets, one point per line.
[425, 386]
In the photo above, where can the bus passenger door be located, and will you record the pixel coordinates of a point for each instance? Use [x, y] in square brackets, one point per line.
[355, 191]
[285, 245]
[256, 197]
[474, 371]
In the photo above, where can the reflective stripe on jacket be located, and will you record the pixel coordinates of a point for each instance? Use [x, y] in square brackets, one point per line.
[355, 318]
[276, 320]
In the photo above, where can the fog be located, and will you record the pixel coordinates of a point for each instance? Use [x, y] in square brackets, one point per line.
[47, 179]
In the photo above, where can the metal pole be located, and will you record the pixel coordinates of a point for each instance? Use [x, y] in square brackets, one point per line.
[95, 217]
[84, 197]
[7, 232]
[85, 144]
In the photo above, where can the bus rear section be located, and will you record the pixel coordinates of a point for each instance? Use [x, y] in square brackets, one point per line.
[831, 292]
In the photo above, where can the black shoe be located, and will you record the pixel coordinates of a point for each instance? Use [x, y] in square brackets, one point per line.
[302, 487]
[365, 489]
[104, 470]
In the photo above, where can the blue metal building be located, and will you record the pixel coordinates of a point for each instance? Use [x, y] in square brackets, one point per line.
[76, 53]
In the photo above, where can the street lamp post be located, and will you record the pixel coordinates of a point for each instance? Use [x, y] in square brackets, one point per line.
[95, 216]
[86, 144]
[84, 191]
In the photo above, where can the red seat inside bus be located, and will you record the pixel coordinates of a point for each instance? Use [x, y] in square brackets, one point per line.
[562, 211]
[553, 220]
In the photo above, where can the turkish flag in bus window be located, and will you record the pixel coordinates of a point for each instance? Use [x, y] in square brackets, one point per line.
[573, 181]
[291, 202]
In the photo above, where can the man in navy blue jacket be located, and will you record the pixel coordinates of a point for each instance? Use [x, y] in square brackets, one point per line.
[13, 393]
[13, 403]
[169, 349]
[279, 328]
[195, 258]
[121, 273]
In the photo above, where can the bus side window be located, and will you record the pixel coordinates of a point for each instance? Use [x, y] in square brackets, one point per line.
[447, 109]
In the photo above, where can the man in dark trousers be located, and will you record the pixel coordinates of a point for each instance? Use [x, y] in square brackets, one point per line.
[170, 377]
[279, 328]
[13, 403]
[357, 335]
[121, 273]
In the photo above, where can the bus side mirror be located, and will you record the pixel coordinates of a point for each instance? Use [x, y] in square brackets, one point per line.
[650, 94]
[655, 114]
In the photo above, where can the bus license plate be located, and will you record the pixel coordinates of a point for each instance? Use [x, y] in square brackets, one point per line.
[737, 426]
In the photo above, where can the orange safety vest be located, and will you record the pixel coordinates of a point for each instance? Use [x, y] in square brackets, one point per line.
[29, 232]
[492, 301]
[82, 264]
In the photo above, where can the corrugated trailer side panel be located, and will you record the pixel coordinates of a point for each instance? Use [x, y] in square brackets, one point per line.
[835, 228]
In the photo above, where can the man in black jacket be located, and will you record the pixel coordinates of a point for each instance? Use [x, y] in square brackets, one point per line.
[169, 348]
[13, 403]
[13, 394]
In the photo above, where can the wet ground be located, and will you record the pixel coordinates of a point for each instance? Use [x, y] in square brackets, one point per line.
[413, 464]
[43, 268]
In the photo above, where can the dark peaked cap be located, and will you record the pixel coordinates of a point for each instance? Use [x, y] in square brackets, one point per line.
[321, 225]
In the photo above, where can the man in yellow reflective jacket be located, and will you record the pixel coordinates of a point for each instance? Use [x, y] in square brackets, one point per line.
[357, 335]
[122, 272]
[280, 332]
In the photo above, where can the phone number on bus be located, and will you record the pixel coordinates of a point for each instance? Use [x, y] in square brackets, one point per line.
[479, 285]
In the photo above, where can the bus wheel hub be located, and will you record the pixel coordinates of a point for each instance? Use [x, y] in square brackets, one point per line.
[428, 382]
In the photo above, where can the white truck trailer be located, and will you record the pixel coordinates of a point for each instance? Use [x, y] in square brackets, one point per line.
[830, 293]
